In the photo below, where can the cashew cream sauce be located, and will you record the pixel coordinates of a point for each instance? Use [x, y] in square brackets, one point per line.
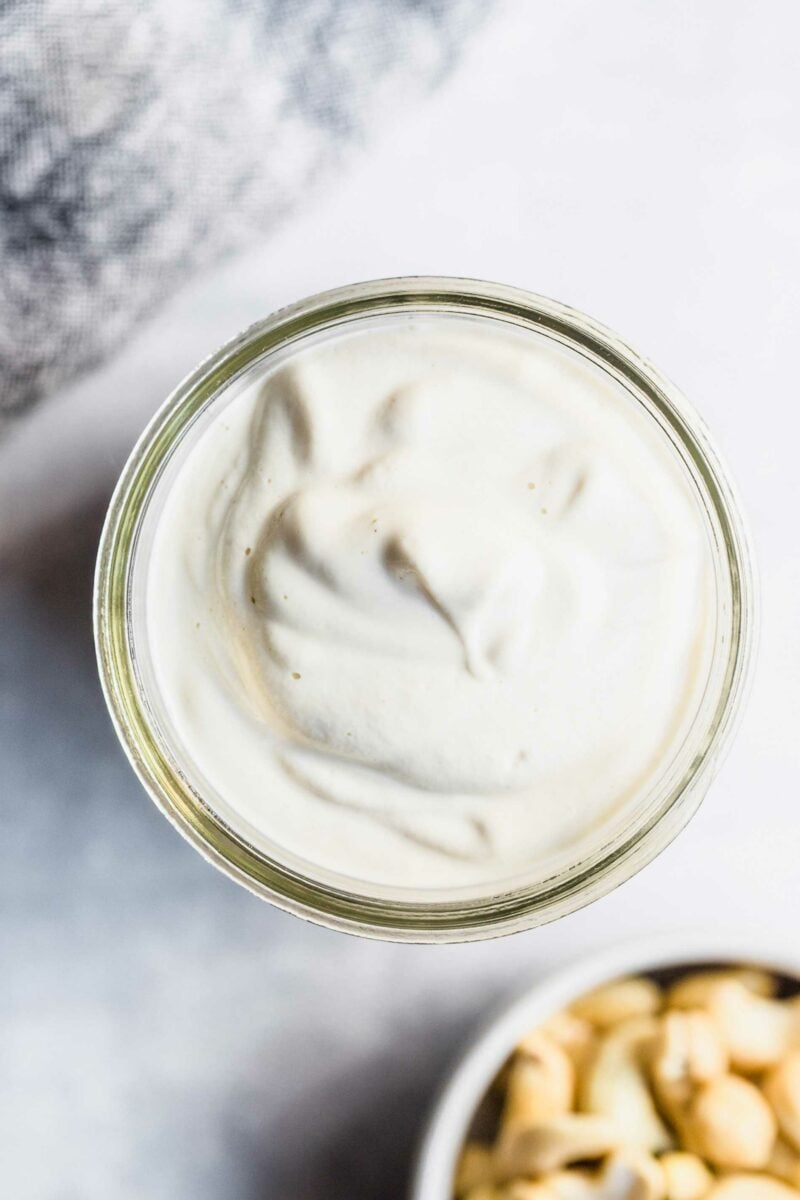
[429, 603]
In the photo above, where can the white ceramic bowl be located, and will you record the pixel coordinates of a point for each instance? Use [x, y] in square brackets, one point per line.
[457, 1103]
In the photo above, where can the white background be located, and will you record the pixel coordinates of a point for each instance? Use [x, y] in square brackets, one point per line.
[164, 1034]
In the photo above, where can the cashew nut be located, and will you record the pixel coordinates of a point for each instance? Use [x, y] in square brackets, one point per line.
[615, 1085]
[782, 1090]
[757, 1032]
[692, 991]
[554, 1144]
[574, 1184]
[561, 1185]
[625, 1175]
[541, 1084]
[785, 1163]
[631, 1175]
[730, 1123]
[686, 1177]
[573, 1034]
[542, 1189]
[475, 1168]
[614, 1002]
[751, 1187]
[688, 1052]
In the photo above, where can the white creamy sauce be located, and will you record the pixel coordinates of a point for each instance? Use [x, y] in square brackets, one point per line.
[429, 603]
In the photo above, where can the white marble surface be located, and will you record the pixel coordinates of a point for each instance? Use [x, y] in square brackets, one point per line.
[162, 1033]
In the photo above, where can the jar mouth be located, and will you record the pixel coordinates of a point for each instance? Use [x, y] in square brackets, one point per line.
[415, 916]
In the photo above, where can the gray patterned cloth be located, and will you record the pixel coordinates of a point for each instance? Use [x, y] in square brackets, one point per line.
[140, 139]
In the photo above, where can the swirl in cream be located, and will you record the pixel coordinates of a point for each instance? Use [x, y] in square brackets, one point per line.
[428, 602]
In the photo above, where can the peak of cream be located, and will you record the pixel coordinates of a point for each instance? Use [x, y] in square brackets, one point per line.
[427, 603]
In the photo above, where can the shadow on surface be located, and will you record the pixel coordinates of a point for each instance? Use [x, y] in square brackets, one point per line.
[81, 821]
[54, 566]
[357, 1139]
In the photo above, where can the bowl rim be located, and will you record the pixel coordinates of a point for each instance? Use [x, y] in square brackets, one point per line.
[483, 1055]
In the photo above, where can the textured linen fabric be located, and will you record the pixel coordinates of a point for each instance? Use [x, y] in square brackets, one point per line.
[139, 139]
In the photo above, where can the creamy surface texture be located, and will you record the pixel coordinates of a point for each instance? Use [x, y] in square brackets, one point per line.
[427, 604]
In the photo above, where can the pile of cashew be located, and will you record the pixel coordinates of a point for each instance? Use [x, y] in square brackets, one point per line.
[638, 1092]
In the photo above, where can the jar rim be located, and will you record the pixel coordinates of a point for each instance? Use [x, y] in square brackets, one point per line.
[508, 911]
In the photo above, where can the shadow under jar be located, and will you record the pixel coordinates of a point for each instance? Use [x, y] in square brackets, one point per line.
[385, 618]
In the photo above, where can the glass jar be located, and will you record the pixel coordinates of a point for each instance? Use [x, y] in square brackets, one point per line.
[457, 915]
